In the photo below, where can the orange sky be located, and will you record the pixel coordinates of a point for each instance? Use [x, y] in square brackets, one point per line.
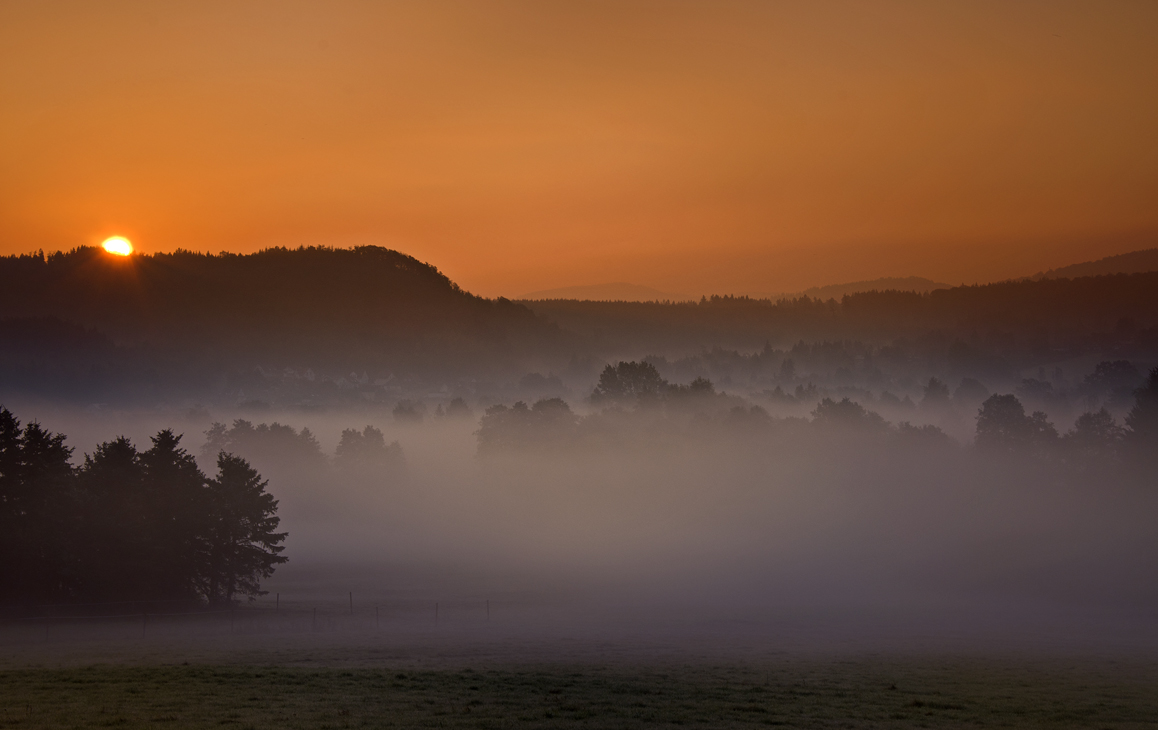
[692, 147]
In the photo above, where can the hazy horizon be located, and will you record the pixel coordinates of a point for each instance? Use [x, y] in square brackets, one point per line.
[690, 148]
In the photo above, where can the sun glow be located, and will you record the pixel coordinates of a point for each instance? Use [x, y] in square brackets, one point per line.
[118, 246]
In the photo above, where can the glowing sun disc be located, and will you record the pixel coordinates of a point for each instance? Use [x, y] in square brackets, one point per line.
[118, 246]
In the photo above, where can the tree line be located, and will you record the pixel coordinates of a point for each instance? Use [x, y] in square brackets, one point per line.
[1003, 425]
[129, 524]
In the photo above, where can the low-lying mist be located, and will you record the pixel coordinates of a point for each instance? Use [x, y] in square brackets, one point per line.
[651, 521]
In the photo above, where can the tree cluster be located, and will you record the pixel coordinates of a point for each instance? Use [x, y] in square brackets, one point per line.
[1003, 426]
[629, 383]
[644, 401]
[276, 444]
[129, 525]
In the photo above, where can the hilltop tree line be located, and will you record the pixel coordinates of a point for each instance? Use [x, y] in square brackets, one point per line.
[1014, 316]
[127, 524]
[1003, 427]
[85, 327]
[366, 307]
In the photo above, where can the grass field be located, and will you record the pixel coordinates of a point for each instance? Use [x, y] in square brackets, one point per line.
[891, 693]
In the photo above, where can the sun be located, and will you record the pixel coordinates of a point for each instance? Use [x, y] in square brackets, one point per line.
[118, 246]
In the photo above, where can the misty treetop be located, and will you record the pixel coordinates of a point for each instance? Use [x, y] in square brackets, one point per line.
[632, 398]
[549, 421]
[129, 525]
[264, 442]
[367, 447]
[630, 383]
[276, 446]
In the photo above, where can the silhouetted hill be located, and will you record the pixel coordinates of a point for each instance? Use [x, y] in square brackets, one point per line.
[1056, 314]
[1135, 262]
[366, 307]
[615, 292]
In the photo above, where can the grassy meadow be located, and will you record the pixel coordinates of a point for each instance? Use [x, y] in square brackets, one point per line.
[890, 693]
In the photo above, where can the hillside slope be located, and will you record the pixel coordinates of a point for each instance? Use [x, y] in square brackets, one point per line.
[315, 307]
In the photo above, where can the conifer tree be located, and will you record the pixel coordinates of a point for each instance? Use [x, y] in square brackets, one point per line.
[242, 542]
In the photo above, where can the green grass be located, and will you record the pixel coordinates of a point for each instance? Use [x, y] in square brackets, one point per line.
[863, 693]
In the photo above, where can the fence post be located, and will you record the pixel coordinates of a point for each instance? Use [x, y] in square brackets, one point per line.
[277, 603]
[436, 612]
[315, 624]
[376, 624]
[351, 603]
[144, 623]
[488, 609]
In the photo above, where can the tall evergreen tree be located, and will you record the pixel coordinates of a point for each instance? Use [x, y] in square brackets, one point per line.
[242, 542]
[177, 506]
[115, 524]
[10, 504]
[36, 488]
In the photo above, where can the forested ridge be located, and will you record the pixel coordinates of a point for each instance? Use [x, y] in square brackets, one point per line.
[1051, 313]
[367, 306]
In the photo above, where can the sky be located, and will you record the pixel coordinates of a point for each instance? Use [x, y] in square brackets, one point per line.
[694, 147]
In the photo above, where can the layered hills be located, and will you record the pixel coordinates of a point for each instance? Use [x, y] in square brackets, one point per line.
[90, 326]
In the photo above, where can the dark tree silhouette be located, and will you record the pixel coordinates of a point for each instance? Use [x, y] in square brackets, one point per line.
[457, 408]
[936, 395]
[549, 422]
[629, 381]
[265, 444]
[1094, 435]
[11, 507]
[177, 504]
[1003, 426]
[927, 437]
[242, 544]
[117, 516]
[845, 414]
[367, 446]
[700, 387]
[970, 390]
[1142, 422]
[127, 525]
[35, 491]
[408, 411]
[1113, 379]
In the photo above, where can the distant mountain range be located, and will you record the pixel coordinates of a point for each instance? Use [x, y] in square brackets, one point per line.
[1135, 262]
